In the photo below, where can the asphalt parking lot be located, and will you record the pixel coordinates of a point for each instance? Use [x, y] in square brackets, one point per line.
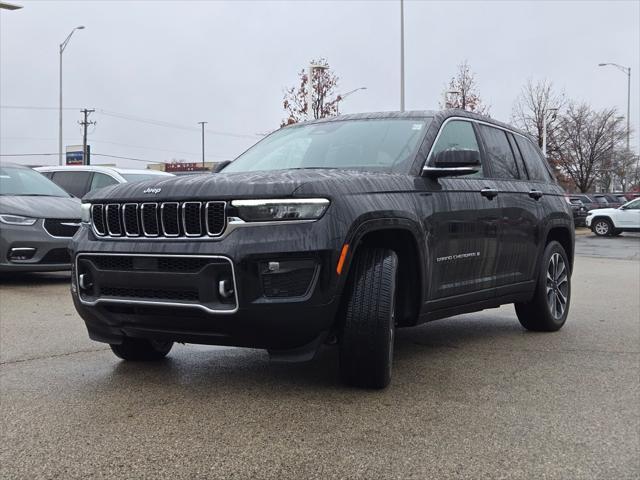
[475, 396]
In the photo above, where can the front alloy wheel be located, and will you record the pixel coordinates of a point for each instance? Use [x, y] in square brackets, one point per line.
[602, 228]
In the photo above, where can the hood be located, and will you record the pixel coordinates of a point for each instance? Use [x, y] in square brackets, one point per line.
[40, 207]
[603, 210]
[272, 184]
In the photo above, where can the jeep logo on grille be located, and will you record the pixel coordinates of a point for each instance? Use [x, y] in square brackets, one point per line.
[152, 190]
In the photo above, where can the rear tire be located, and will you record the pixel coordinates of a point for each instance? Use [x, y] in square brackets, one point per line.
[141, 350]
[366, 343]
[602, 227]
[548, 310]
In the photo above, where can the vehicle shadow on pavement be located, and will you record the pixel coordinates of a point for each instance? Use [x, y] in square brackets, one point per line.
[31, 279]
[238, 370]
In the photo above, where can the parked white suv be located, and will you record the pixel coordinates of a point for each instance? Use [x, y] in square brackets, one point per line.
[79, 180]
[614, 221]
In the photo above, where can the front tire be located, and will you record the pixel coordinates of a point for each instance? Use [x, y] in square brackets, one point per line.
[548, 310]
[141, 350]
[602, 227]
[366, 343]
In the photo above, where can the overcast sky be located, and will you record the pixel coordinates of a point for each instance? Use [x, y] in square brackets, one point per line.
[227, 63]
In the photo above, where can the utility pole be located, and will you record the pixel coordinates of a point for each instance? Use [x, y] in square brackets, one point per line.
[85, 123]
[203, 124]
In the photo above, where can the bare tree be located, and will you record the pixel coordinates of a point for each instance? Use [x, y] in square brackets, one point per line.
[536, 103]
[325, 100]
[585, 141]
[462, 92]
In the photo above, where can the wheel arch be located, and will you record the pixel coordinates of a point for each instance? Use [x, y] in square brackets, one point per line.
[564, 236]
[402, 236]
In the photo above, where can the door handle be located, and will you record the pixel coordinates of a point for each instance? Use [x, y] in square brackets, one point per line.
[490, 193]
[536, 194]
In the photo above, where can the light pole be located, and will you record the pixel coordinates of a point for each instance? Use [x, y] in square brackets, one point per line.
[203, 124]
[342, 97]
[402, 55]
[312, 68]
[553, 111]
[63, 45]
[627, 71]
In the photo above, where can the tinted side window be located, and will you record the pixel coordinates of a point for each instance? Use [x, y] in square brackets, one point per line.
[73, 182]
[457, 135]
[519, 160]
[532, 160]
[101, 180]
[503, 163]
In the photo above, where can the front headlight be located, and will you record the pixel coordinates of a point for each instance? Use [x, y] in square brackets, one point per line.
[286, 209]
[16, 219]
[85, 213]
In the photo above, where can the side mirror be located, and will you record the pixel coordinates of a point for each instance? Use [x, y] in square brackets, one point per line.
[452, 162]
[220, 166]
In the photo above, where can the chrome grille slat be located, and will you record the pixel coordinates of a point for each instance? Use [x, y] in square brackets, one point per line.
[190, 219]
[113, 220]
[97, 217]
[149, 219]
[170, 226]
[216, 218]
[130, 220]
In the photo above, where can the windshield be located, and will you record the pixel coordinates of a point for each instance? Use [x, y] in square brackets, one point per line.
[379, 144]
[27, 182]
[138, 177]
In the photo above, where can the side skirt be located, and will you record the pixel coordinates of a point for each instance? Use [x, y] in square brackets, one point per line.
[475, 302]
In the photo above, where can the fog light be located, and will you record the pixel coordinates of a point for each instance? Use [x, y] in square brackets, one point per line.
[20, 254]
[225, 288]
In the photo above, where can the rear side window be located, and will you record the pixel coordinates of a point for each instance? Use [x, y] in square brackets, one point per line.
[101, 180]
[533, 160]
[76, 183]
[503, 163]
[457, 135]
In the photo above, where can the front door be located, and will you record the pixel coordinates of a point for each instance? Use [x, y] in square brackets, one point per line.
[462, 225]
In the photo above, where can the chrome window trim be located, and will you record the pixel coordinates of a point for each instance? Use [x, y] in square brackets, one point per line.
[164, 230]
[117, 206]
[464, 119]
[93, 223]
[184, 219]
[124, 221]
[144, 230]
[206, 219]
[156, 303]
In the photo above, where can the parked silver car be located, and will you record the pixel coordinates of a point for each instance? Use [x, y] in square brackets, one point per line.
[37, 220]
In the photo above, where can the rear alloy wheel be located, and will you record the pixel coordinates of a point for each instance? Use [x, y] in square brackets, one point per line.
[141, 350]
[548, 310]
[602, 227]
[366, 342]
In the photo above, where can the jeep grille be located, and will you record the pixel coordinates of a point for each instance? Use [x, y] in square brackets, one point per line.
[159, 219]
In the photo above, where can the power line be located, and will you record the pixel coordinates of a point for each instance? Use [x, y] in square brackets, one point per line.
[135, 118]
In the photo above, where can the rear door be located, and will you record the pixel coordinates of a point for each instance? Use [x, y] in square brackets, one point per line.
[520, 207]
[462, 226]
[74, 182]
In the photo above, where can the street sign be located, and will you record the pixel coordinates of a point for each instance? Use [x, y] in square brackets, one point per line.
[75, 155]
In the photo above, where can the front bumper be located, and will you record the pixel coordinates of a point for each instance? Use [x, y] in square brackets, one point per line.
[48, 253]
[588, 220]
[264, 311]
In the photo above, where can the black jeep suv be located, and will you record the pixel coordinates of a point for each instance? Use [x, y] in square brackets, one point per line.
[340, 229]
